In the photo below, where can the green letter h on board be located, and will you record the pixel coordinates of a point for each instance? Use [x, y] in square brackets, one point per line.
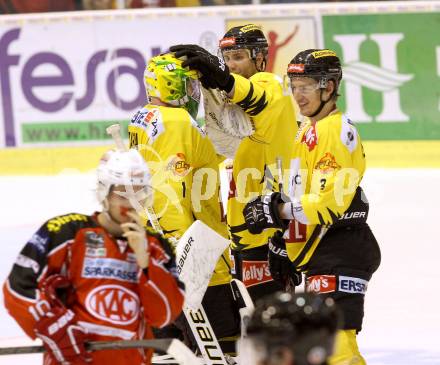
[384, 78]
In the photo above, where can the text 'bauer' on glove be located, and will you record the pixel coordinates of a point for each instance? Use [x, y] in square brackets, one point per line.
[280, 266]
[215, 73]
[262, 212]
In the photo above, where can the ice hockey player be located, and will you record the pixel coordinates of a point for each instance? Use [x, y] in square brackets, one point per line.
[288, 329]
[99, 277]
[328, 238]
[185, 176]
[239, 72]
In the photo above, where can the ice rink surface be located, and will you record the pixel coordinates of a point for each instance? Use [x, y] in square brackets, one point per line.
[402, 315]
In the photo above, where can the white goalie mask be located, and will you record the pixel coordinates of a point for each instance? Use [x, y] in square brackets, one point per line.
[127, 168]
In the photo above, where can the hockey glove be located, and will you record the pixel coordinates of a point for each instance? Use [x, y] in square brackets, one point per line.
[262, 212]
[136, 236]
[215, 73]
[280, 266]
[56, 326]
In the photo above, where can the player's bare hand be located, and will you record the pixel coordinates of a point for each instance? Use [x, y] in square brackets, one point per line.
[136, 236]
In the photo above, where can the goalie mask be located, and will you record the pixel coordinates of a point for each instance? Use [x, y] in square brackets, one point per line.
[303, 326]
[249, 37]
[126, 168]
[166, 79]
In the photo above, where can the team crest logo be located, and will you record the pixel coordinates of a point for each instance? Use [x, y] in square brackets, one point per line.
[114, 304]
[178, 165]
[327, 164]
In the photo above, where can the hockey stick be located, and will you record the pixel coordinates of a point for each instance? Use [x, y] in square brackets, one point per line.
[115, 131]
[197, 319]
[244, 302]
[169, 345]
[246, 308]
[290, 286]
[279, 164]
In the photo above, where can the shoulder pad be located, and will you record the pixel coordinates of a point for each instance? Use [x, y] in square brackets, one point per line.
[349, 136]
[57, 223]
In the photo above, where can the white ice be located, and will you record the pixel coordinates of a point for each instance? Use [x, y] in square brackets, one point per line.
[402, 311]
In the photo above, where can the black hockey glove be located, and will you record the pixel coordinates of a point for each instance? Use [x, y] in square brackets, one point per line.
[280, 266]
[215, 73]
[262, 212]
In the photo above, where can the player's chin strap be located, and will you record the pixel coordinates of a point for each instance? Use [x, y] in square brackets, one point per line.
[263, 65]
[253, 53]
[323, 102]
[321, 106]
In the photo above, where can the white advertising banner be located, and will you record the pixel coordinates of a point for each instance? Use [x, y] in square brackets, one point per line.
[65, 79]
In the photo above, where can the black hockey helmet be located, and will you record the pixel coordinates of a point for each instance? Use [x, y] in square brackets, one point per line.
[249, 36]
[319, 64]
[304, 324]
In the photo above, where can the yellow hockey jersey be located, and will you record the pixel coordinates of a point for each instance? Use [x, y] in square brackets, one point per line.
[185, 175]
[327, 166]
[254, 169]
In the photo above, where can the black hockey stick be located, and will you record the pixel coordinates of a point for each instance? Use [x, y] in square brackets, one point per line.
[290, 285]
[171, 346]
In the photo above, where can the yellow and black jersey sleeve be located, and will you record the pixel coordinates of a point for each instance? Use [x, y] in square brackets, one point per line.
[334, 164]
[261, 97]
[254, 170]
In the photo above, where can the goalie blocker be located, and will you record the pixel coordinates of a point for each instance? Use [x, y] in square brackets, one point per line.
[197, 254]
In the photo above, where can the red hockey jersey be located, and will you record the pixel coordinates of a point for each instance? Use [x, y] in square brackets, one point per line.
[111, 296]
